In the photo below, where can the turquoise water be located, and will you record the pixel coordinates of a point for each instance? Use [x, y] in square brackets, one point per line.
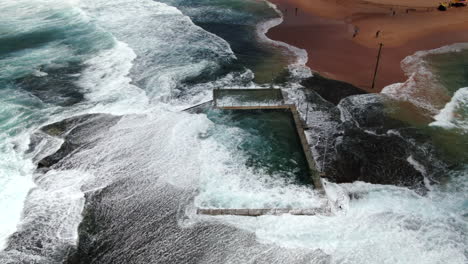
[435, 100]
[450, 130]
[239, 97]
[62, 58]
[238, 26]
[270, 142]
[451, 69]
[35, 39]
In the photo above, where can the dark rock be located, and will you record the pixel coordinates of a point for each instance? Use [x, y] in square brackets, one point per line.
[39, 244]
[361, 139]
[379, 159]
[318, 104]
[331, 90]
[378, 112]
[59, 129]
[38, 236]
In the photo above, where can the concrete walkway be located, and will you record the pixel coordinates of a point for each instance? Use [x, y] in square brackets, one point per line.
[270, 211]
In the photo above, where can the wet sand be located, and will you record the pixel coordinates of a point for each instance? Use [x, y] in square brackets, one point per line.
[326, 29]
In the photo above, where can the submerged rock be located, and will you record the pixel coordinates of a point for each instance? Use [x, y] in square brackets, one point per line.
[370, 112]
[131, 221]
[55, 84]
[379, 159]
[53, 205]
[380, 113]
[77, 133]
[369, 142]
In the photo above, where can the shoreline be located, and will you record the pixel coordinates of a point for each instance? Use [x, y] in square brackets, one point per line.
[334, 53]
[298, 67]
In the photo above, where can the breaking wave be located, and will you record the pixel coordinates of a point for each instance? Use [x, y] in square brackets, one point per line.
[455, 112]
[144, 165]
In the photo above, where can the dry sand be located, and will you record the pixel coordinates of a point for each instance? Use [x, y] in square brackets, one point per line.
[326, 28]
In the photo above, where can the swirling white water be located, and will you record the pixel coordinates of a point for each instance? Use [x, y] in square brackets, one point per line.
[136, 62]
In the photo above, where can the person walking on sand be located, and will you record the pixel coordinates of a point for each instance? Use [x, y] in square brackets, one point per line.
[356, 31]
[377, 33]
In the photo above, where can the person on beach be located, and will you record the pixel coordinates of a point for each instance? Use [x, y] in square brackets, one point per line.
[377, 33]
[356, 31]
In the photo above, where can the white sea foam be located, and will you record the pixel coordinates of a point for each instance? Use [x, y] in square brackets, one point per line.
[208, 162]
[18, 110]
[386, 224]
[457, 47]
[226, 181]
[54, 207]
[159, 67]
[117, 80]
[418, 166]
[25, 17]
[107, 84]
[203, 92]
[422, 88]
[454, 114]
[15, 182]
[108, 91]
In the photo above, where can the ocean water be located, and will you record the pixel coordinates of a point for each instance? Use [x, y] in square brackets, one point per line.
[34, 36]
[437, 87]
[451, 71]
[129, 195]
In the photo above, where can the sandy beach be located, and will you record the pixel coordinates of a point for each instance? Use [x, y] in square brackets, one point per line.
[342, 37]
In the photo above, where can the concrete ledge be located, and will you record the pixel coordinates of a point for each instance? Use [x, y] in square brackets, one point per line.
[192, 108]
[255, 107]
[265, 211]
[316, 179]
